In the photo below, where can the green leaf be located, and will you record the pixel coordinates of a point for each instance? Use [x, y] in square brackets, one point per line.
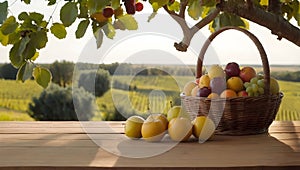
[129, 22]
[13, 37]
[195, 10]
[68, 13]
[115, 4]
[119, 25]
[26, 1]
[99, 37]
[35, 56]
[36, 17]
[29, 51]
[58, 30]
[81, 29]
[25, 72]
[83, 10]
[9, 26]
[42, 76]
[109, 30]
[4, 39]
[3, 11]
[39, 38]
[23, 16]
[16, 59]
[51, 2]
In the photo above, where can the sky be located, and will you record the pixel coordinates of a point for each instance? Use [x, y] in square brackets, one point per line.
[153, 43]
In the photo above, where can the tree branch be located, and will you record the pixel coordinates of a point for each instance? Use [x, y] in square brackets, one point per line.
[276, 23]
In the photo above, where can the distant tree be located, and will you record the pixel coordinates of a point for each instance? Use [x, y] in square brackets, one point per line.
[57, 104]
[62, 72]
[96, 83]
[7, 71]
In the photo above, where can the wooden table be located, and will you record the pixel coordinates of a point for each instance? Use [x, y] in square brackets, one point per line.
[66, 145]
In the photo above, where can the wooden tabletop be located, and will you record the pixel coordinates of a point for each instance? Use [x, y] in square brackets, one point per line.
[89, 145]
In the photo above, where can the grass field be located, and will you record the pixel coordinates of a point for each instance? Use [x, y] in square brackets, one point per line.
[155, 91]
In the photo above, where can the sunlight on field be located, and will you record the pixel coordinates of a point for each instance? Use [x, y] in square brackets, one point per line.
[9, 115]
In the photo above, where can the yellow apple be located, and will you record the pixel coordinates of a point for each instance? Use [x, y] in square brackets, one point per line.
[153, 130]
[177, 111]
[180, 129]
[187, 89]
[203, 128]
[216, 71]
[160, 117]
[133, 126]
[204, 81]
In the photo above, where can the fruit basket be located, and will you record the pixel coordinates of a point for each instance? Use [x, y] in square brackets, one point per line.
[237, 115]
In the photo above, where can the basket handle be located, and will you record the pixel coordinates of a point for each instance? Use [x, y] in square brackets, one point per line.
[263, 55]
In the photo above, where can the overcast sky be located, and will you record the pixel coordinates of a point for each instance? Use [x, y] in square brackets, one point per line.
[153, 43]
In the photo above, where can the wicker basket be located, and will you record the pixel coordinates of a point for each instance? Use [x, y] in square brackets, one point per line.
[240, 115]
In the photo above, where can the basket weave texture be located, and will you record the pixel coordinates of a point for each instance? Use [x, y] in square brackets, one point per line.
[239, 115]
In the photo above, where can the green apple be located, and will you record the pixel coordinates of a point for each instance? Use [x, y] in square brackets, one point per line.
[153, 129]
[274, 86]
[203, 128]
[180, 129]
[177, 111]
[133, 126]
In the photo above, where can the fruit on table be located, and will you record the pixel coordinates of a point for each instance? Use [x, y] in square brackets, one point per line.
[274, 86]
[203, 92]
[235, 83]
[203, 128]
[160, 117]
[216, 71]
[247, 73]
[204, 81]
[153, 129]
[255, 87]
[180, 129]
[232, 69]
[218, 84]
[228, 93]
[188, 87]
[177, 111]
[133, 126]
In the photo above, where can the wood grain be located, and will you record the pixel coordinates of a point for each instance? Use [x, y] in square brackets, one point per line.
[66, 145]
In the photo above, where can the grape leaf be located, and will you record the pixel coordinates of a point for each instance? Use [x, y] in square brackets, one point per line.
[16, 59]
[25, 72]
[36, 17]
[42, 76]
[99, 37]
[129, 22]
[83, 10]
[109, 30]
[23, 16]
[68, 13]
[35, 56]
[29, 51]
[58, 30]
[9, 26]
[4, 39]
[3, 11]
[81, 29]
[115, 4]
[195, 10]
[96, 5]
[39, 38]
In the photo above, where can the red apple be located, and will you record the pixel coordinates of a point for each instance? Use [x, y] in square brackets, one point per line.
[203, 92]
[232, 69]
[218, 85]
[247, 73]
[242, 93]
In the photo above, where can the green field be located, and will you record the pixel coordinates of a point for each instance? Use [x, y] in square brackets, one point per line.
[155, 91]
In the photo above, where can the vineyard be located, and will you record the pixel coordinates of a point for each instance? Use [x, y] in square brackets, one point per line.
[152, 92]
